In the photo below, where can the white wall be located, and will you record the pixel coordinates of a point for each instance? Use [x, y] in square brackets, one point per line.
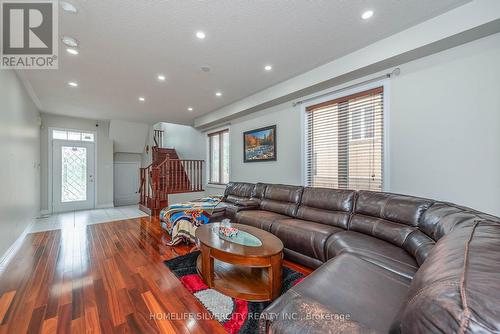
[129, 137]
[445, 126]
[104, 176]
[127, 157]
[19, 169]
[444, 132]
[187, 141]
[287, 168]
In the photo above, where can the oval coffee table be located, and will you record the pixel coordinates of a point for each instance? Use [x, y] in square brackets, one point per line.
[247, 266]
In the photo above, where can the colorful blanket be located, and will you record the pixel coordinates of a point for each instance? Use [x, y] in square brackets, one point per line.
[181, 220]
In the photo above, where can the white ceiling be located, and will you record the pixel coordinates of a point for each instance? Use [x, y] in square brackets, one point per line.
[124, 44]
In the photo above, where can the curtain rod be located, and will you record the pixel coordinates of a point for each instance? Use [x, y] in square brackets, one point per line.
[396, 71]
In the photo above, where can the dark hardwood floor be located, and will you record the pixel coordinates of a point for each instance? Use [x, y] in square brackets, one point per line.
[102, 278]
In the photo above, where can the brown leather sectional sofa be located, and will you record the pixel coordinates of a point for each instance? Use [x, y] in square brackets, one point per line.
[386, 262]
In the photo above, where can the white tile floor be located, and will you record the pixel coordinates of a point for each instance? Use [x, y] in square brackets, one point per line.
[87, 217]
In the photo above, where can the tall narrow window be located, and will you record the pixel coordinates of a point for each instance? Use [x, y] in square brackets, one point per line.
[345, 145]
[219, 157]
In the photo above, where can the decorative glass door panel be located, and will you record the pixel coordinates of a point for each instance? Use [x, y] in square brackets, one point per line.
[73, 175]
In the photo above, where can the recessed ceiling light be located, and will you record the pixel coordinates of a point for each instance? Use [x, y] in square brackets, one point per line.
[268, 67]
[200, 35]
[190, 108]
[218, 94]
[367, 14]
[70, 41]
[161, 77]
[142, 99]
[67, 7]
[72, 51]
[73, 84]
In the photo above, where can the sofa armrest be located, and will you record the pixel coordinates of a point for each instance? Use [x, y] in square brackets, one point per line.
[294, 313]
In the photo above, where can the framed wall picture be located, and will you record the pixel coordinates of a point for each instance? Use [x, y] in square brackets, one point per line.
[260, 144]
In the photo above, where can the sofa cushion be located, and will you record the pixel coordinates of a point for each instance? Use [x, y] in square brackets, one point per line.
[393, 218]
[457, 288]
[326, 206]
[258, 218]
[237, 191]
[306, 237]
[347, 285]
[376, 251]
[401, 209]
[441, 218]
[259, 190]
[281, 199]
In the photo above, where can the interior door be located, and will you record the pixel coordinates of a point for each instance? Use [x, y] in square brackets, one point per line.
[126, 183]
[73, 175]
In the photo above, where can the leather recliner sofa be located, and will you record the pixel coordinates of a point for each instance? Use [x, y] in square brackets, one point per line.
[386, 262]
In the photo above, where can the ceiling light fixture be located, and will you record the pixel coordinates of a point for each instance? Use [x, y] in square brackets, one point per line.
[367, 14]
[69, 8]
[268, 67]
[72, 51]
[73, 84]
[190, 108]
[218, 94]
[70, 41]
[200, 35]
[142, 99]
[161, 77]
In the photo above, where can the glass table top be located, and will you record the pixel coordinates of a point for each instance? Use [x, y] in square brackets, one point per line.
[242, 238]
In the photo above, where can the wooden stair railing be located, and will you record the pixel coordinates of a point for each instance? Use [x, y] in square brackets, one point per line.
[170, 176]
[158, 138]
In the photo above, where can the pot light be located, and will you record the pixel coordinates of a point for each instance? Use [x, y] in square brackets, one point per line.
[70, 41]
[67, 7]
[161, 77]
[73, 84]
[268, 67]
[218, 94]
[142, 98]
[190, 108]
[367, 14]
[72, 51]
[200, 35]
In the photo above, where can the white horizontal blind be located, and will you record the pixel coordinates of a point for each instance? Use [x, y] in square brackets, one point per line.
[219, 157]
[345, 142]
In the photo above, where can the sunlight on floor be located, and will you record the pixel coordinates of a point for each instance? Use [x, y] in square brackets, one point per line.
[87, 217]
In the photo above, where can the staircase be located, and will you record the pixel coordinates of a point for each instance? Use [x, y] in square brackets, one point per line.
[166, 175]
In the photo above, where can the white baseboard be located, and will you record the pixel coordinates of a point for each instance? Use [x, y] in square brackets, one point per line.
[105, 206]
[12, 250]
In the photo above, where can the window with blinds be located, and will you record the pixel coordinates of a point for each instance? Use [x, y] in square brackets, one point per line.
[345, 145]
[219, 157]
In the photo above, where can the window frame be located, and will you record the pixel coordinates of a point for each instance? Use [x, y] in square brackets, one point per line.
[325, 97]
[220, 134]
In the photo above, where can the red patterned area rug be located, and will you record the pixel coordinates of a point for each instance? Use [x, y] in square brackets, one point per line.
[236, 315]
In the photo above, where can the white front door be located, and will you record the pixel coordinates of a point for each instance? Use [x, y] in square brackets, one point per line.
[73, 175]
[126, 183]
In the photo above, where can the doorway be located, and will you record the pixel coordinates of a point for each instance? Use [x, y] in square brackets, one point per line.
[126, 183]
[73, 178]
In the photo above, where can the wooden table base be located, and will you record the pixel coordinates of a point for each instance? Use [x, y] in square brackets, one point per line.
[243, 282]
